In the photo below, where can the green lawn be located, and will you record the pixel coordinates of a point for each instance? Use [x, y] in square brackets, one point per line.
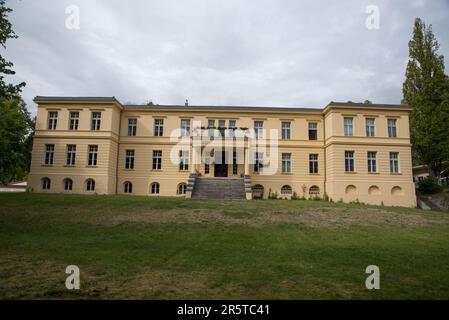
[166, 248]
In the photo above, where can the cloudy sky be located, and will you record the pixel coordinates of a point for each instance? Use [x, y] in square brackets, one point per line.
[216, 52]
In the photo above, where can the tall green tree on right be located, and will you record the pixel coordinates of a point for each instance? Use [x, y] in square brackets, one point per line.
[426, 88]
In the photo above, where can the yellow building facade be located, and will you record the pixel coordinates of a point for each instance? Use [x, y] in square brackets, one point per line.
[345, 151]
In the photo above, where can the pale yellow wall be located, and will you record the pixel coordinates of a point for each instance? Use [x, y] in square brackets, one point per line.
[113, 142]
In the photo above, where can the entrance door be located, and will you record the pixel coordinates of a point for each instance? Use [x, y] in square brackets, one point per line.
[220, 166]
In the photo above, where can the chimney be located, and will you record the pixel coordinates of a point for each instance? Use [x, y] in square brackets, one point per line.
[187, 103]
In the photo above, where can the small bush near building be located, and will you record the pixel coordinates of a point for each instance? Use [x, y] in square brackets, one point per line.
[429, 185]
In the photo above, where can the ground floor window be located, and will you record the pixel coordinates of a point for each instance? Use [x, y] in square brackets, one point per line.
[46, 184]
[154, 188]
[182, 188]
[314, 190]
[286, 189]
[128, 187]
[68, 184]
[90, 185]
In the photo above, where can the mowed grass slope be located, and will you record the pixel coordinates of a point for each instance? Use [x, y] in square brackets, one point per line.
[170, 248]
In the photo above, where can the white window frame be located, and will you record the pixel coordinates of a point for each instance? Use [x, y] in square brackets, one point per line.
[348, 126]
[258, 129]
[95, 121]
[370, 127]
[349, 161]
[71, 155]
[74, 120]
[92, 155]
[157, 160]
[372, 161]
[286, 163]
[286, 130]
[313, 163]
[129, 158]
[49, 154]
[392, 129]
[394, 162]
[158, 127]
[132, 127]
[183, 160]
[52, 120]
[185, 127]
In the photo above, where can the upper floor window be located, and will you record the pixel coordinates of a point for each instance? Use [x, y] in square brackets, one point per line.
[286, 163]
[49, 154]
[348, 126]
[369, 123]
[158, 127]
[313, 163]
[258, 164]
[96, 121]
[92, 155]
[394, 162]
[52, 120]
[157, 159]
[129, 159]
[71, 154]
[232, 127]
[132, 127]
[74, 120]
[258, 129]
[286, 130]
[221, 127]
[392, 131]
[185, 127]
[372, 165]
[183, 160]
[210, 127]
[313, 131]
[349, 161]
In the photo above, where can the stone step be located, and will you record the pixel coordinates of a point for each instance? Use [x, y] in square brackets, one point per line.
[218, 188]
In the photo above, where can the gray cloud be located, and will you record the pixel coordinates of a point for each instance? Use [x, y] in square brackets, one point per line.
[236, 52]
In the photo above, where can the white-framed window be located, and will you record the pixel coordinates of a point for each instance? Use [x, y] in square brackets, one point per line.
[313, 131]
[46, 183]
[185, 127]
[154, 188]
[68, 184]
[92, 155]
[232, 127]
[49, 154]
[129, 159]
[128, 187]
[74, 120]
[258, 129]
[157, 159]
[392, 130]
[286, 163]
[372, 163]
[182, 188]
[286, 130]
[313, 163]
[71, 154]
[222, 127]
[349, 161]
[183, 160]
[258, 164]
[394, 162]
[314, 191]
[96, 121]
[348, 126]
[90, 185]
[369, 124]
[210, 127]
[158, 127]
[132, 127]
[52, 120]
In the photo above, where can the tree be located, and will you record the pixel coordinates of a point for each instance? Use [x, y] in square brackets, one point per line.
[7, 90]
[426, 88]
[15, 120]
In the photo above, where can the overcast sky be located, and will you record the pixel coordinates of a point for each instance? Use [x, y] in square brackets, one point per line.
[219, 52]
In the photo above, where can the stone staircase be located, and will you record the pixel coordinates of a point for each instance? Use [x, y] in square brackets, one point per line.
[218, 188]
